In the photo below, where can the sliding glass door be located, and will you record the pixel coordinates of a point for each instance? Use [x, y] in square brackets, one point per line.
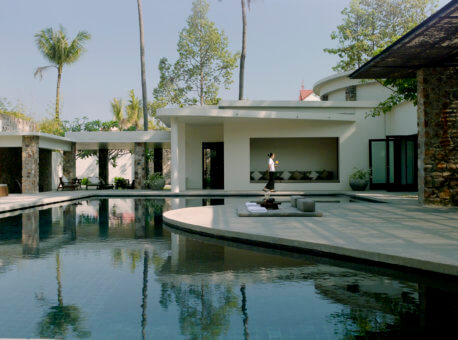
[393, 162]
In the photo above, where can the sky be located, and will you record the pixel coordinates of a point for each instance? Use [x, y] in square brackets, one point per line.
[284, 47]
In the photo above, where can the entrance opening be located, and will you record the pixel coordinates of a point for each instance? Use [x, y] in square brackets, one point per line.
[213, 165]
[393, 162]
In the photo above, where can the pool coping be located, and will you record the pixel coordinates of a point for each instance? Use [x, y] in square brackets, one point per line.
[27, 201]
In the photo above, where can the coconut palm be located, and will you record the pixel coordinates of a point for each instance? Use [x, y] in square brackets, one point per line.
[243, 53]
[142, 60]
[134, 110]
[117, 107]
[55, 47]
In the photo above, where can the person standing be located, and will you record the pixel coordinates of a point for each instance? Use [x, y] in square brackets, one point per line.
[270, 186]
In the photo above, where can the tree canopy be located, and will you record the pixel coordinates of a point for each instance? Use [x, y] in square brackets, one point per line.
[204, 63]
[371, 25]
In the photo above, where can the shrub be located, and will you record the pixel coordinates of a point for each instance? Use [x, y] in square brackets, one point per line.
[360, 174]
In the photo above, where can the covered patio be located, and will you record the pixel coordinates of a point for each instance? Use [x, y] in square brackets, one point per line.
[430, 53]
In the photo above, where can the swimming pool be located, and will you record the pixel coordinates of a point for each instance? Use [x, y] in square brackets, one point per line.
[110, 269]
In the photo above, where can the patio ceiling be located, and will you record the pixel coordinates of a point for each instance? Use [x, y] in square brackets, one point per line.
[433, 43]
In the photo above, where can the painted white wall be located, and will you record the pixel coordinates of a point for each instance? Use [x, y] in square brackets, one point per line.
[178, 155]
[337, 95]
[89, 167]
[353, 147]
[195, 136]
[402, 120]
[372, 91]
[312, 98]
[302, 154]
[57, 162]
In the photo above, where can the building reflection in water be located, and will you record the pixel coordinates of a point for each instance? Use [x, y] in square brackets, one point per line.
[31, 233]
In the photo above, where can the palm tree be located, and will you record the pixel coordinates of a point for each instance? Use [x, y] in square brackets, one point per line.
[243, 53]
[55, 47]
[117, 107]
[142, 59]
[134, 110]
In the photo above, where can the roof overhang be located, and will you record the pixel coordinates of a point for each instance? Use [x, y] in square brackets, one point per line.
[13, 139]
[433, 43]
[117, 139]
[292, 110]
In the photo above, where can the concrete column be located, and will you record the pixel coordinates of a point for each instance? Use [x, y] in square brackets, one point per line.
[30, 158]
[30, 233]
[166, 164]
[103, 165]
[178, 159]
[69, 163]
[139, 165]
[438, 136]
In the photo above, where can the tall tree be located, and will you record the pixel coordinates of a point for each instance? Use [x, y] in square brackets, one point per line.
[371, 25]
[55, 47]
[134, 110]
[142, 60]
[204, 63]
[243, 53]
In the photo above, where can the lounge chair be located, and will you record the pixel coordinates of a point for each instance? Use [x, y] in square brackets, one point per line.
[64, 183]
[93, 182]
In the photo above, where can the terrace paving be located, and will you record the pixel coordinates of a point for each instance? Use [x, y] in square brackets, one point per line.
[400, 232]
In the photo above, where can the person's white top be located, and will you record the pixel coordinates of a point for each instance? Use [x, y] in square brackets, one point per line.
[271, 165]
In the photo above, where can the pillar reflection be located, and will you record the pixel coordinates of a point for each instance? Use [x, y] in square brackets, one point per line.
[31, 233]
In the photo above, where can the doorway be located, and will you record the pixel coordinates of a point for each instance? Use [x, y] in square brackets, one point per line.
[213, 165]
[393, 162]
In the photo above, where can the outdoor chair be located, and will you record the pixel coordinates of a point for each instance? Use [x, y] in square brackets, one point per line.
[126, 184]
[64, 183]
[103, 185]
[93, 182]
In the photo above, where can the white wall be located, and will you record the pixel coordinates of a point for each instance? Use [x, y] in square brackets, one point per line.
[57, 162]
[195, 136]
[89, 167]
[402, 120]
[338, 95]
[303, 154]
[353, 147]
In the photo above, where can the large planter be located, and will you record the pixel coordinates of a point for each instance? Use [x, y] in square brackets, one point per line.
[358, 184]
[157, 184]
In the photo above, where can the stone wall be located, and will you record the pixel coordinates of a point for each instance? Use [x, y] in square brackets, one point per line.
[9, 123]
[438, 136]
[139, 165]
[10, 168]
[69, 163]
[30, 158]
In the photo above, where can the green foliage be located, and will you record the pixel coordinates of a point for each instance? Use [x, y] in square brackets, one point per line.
[56, 48]
[84, 181]
[402, 90]
[17, 110]
[134, 110]
[371, 25]
[120, 182]
[152, 180]
[203, 65]
[51, 126]
[360, 174]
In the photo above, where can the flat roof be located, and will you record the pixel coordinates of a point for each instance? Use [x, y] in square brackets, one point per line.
[433, 43]
[265, 109]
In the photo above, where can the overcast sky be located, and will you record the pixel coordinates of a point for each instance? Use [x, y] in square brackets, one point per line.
[285, 46]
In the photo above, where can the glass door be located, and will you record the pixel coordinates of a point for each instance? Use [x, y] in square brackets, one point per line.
[378, 164]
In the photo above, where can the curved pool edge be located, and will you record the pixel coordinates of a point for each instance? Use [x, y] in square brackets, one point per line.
[328, 250]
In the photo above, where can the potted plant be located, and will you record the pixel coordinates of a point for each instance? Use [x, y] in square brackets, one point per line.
[155, 181]
[359, 179]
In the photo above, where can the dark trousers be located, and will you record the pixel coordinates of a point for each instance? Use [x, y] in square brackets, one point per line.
[271, 183]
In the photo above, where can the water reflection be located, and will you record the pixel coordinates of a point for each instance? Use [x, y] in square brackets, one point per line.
[201, 288]
[62, 319]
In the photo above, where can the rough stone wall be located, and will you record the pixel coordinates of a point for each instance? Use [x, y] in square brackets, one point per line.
[10, 168]
[350, 93]
[438, 136]
[45, 170]
[166, 160]
[30, 159]
[69, 163]
[31, 233]
[9, 123]
[139, 164]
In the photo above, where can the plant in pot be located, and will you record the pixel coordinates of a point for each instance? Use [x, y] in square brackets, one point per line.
[155, 181]
[359, 179]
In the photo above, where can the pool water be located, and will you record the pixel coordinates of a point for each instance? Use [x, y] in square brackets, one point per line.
[110, 269]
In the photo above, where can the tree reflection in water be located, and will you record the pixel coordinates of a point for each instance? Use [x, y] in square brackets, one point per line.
[61, 318]
[204, 309]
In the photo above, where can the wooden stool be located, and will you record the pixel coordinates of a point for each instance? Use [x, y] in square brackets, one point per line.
[3, 190]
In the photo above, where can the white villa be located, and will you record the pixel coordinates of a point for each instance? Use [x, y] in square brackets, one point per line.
[317, 143]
